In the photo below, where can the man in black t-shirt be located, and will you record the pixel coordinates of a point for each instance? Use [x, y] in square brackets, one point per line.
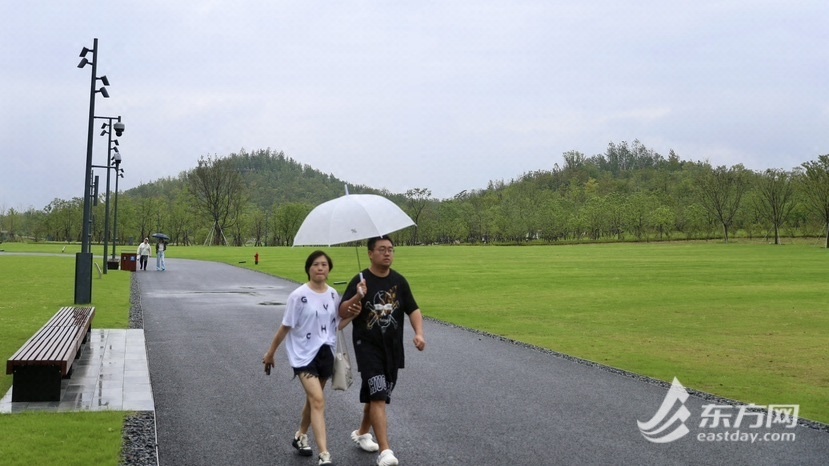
[378, 340]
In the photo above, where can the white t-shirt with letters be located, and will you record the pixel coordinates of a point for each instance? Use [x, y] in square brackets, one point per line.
[313, 319]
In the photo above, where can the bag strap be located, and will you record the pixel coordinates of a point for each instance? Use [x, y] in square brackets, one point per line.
[342, 346]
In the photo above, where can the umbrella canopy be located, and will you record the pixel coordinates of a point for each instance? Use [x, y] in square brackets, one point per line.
[161, 236]
[348, 218]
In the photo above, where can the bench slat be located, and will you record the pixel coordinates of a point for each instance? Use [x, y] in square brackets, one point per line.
[70, 316]
[51, 345]
[55, 345]
[63, 317]
[37, 343]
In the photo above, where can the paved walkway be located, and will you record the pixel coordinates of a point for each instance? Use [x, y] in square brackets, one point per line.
[111, 374]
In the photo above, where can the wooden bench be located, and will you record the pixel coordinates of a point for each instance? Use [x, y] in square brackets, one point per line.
[40, 364]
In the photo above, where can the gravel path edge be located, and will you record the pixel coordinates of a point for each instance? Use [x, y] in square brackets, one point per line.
[140, 440]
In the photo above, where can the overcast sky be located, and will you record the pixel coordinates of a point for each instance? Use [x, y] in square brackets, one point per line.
[444, 95]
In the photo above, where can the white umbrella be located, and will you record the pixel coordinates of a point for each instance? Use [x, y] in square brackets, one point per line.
[348, 218]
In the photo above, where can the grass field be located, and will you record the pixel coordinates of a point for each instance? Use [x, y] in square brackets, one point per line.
[741, 320]
[80, 439]
[33, 289]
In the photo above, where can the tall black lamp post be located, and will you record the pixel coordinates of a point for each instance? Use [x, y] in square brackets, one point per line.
[83, 259]
[111, 164]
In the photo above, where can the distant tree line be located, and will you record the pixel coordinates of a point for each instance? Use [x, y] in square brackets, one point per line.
[628, 193]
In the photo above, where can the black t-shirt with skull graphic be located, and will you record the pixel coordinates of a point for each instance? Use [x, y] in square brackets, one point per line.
[379, 327]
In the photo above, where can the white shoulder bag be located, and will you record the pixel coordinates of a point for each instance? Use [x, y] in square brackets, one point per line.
[342, 365]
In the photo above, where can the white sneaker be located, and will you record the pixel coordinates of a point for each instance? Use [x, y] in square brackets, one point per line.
[365, 442]
[386, 458]
[301, 444]
[325, 458]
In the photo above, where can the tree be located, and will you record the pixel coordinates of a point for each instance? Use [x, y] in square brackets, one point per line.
[695, 220]
[514, 217]
[815, 186]
[240, 230]
[182, 220]
[552, 215]
[63, 219]
[10, 222]
[573, 160]
[775, 200]
[259, 227]
[596, 214]
[638, 210]
[145, 207]
[287, 220]
[416, 199]
[616, 211]
[217, 189]
[663, 220]
[482, 218]
[720, 192]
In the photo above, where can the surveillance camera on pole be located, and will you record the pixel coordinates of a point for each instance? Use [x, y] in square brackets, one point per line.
[119, 128]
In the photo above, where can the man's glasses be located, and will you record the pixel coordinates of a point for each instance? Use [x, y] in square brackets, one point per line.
[383, 250]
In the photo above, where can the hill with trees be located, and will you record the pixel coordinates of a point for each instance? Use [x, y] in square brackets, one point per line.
[627, 193]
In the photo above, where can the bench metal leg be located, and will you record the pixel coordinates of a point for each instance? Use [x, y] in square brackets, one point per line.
[36, 383]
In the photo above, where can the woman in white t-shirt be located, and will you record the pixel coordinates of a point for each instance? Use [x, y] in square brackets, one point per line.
[309, 329]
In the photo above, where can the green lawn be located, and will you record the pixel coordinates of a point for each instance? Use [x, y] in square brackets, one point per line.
[33, 289]
[80, 439]
[743, 321]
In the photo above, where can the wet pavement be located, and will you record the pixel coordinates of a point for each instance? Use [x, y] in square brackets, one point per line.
[111, 374]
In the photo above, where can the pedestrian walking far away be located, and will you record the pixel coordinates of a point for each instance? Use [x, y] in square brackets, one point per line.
[160, 251]
[144, 251]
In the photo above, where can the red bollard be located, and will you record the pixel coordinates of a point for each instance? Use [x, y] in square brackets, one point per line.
[256, 258]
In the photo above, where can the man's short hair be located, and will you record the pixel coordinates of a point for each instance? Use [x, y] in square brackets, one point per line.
[373, 241]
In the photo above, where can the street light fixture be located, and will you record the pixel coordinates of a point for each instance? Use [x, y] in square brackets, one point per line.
[83, 259]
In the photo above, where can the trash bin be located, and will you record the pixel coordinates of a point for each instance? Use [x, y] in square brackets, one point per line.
[112, 264]
[128, 260]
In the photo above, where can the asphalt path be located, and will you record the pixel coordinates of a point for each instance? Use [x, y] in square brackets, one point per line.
[468, 399]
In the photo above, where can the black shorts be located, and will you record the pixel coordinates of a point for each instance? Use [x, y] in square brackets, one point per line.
[378, 373]
[322, 366]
